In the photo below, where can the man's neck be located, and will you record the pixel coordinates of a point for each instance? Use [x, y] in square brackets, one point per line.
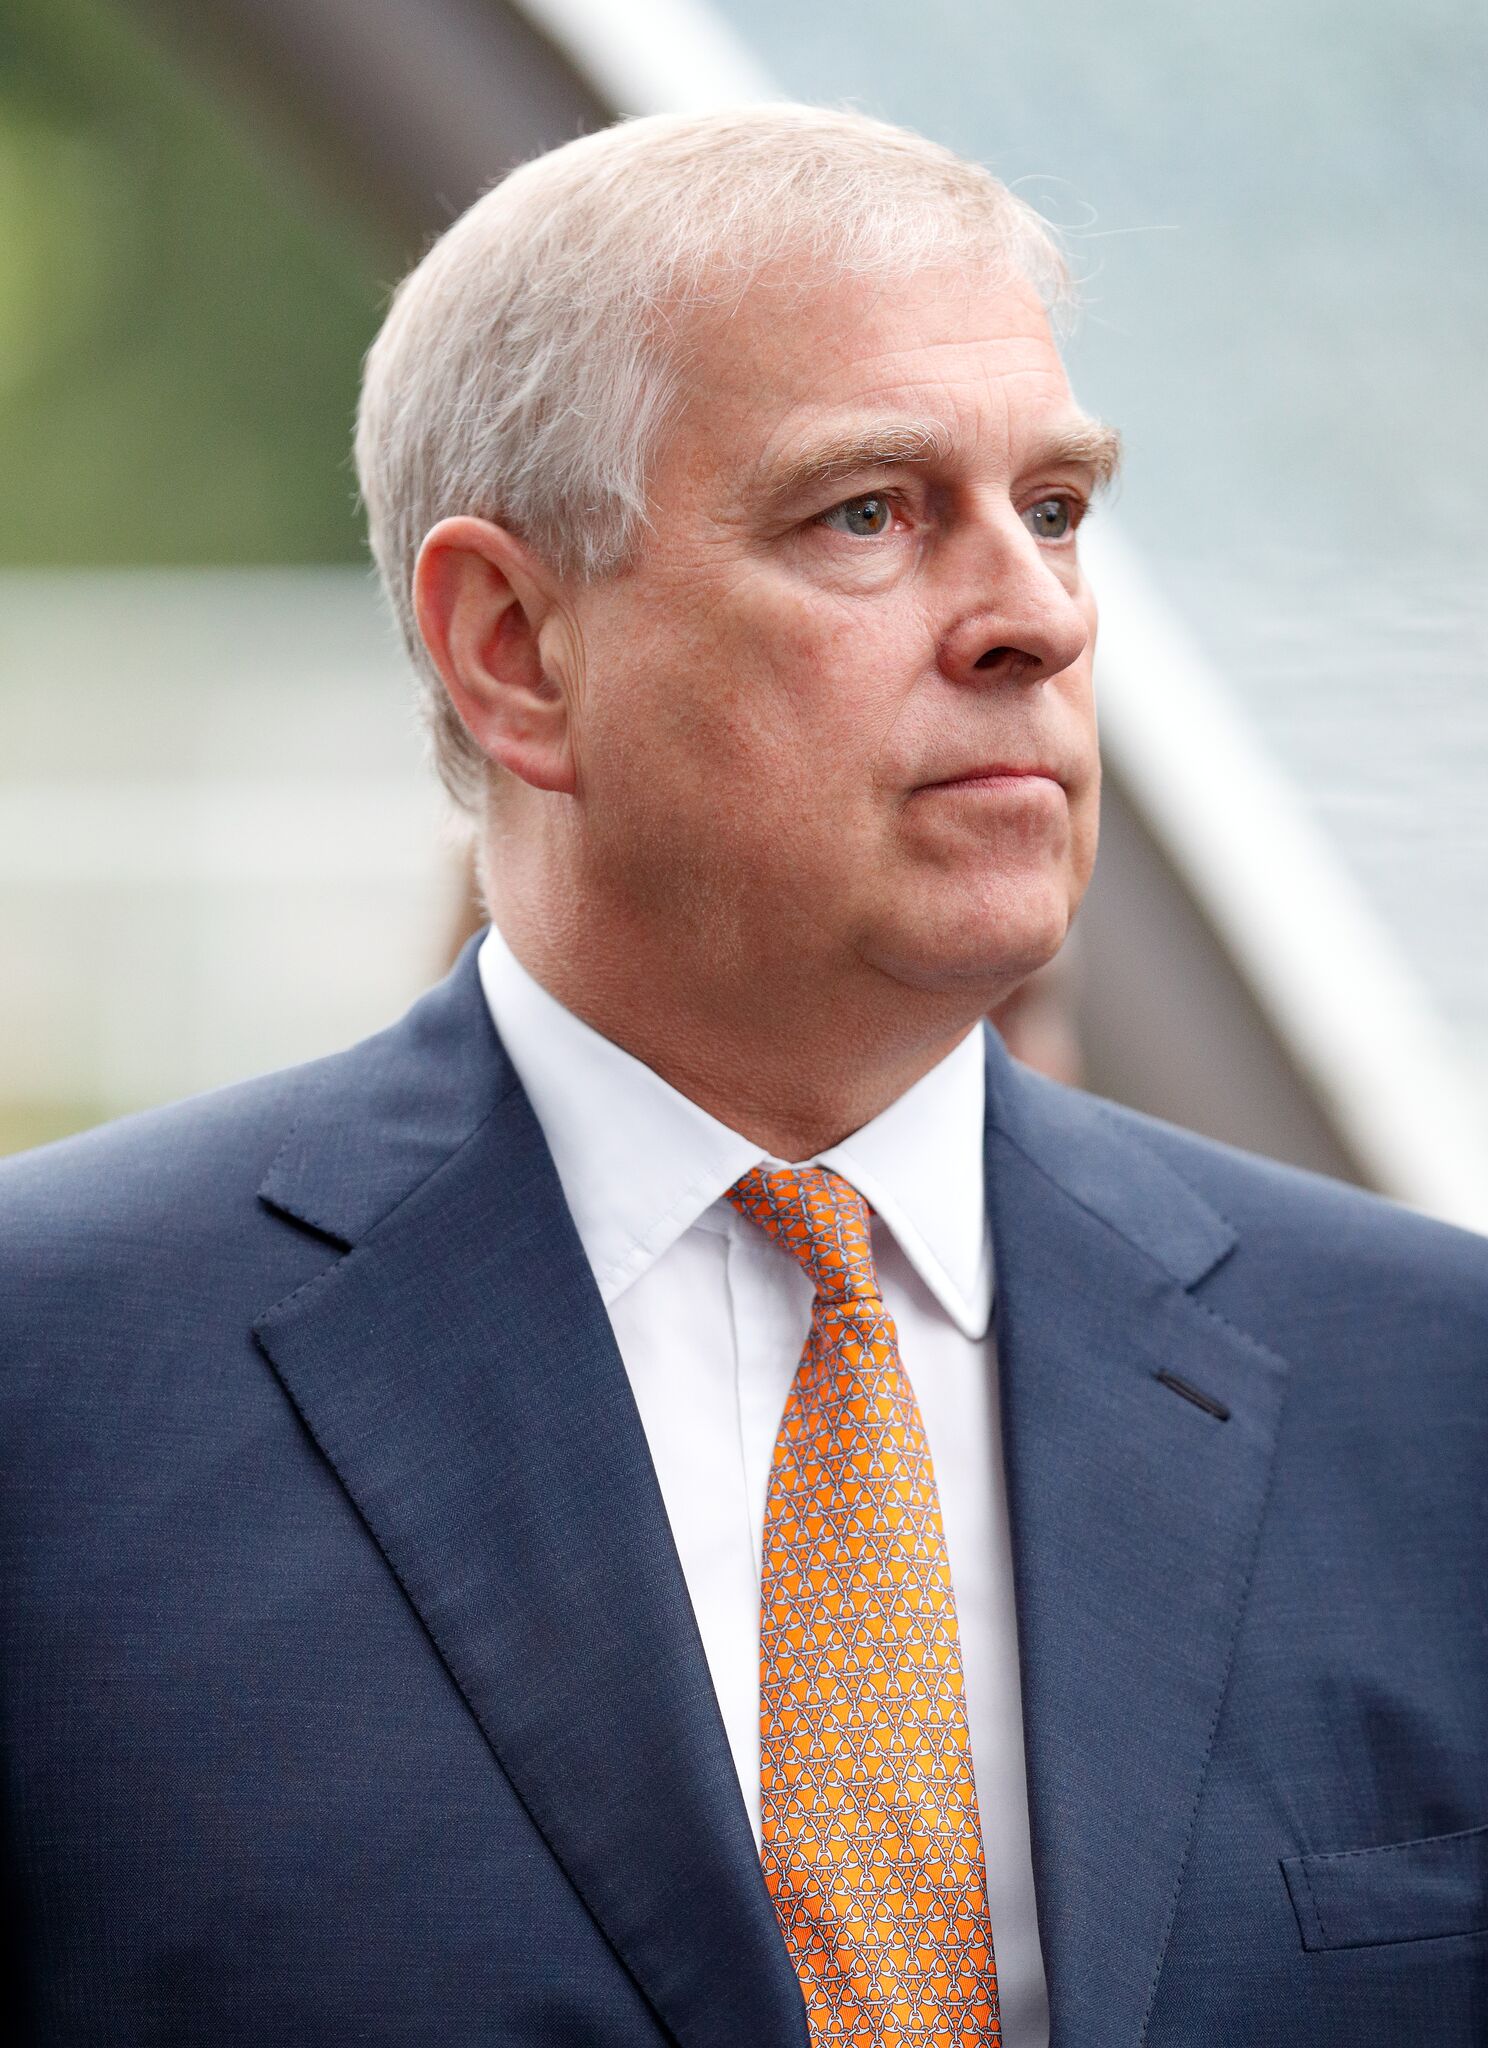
[772, 1057]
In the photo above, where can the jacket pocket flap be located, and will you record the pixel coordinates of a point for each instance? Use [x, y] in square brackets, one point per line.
[1406, 1891]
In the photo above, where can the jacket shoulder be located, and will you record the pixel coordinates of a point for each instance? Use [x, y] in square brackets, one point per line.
[156, 1163]
[159, 1208]
[1261, 1195]
[192, 1197]
[1306, 1240]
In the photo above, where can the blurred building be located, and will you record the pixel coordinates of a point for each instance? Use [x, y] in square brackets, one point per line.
[218, 850]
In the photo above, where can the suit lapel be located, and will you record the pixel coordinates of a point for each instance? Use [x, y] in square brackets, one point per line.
[1134, 1519]
[457, 1370]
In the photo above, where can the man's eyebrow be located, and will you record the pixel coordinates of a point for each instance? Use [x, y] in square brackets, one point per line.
[884, 444]
[1082, 444]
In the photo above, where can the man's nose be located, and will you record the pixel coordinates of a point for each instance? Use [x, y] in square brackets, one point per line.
[1024, 624]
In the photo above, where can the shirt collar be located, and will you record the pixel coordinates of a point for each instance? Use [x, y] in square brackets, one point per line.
[640, 1163]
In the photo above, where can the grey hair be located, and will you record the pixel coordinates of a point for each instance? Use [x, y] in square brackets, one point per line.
[527, 367]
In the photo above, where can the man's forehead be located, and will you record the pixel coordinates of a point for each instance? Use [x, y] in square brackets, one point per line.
[856, 337]
[789, 388]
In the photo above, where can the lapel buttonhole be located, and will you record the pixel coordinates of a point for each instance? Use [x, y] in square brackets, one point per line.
[1195, 1394]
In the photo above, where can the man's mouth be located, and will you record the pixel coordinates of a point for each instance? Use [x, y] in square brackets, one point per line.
[995, 775]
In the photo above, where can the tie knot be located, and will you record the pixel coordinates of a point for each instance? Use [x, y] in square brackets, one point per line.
[820, 1220]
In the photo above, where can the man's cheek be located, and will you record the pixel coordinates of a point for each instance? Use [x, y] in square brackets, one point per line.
[802, 632]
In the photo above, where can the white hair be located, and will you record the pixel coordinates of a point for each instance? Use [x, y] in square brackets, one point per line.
[526, 369]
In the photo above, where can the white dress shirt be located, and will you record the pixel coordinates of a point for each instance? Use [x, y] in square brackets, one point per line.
[710, 1318]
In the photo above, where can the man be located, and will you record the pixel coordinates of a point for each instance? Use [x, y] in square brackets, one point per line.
[676, 1494]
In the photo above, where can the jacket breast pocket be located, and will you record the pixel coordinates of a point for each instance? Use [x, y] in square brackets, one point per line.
[1406, 1891]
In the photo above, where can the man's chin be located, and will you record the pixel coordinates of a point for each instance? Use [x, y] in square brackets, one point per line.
[983, 968]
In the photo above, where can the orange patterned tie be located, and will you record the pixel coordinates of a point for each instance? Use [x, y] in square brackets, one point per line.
[871, 1840]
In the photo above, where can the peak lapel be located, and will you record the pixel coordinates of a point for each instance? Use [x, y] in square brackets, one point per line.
[1134, 1520]
[458, 1371]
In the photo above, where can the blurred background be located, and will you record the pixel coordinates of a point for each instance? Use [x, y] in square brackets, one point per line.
[220, 848]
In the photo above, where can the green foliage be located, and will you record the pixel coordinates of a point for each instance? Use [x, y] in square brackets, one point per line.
[181, 325]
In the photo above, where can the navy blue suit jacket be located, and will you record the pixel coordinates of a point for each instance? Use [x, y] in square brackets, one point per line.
[349, 1688]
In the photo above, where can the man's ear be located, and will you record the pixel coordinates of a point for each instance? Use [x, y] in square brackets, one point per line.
[482, 600]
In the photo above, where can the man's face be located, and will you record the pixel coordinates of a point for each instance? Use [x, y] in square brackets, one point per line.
[838, 719]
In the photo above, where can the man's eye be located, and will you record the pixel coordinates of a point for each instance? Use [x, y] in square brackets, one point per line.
[1049, 519]
[867, 516]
